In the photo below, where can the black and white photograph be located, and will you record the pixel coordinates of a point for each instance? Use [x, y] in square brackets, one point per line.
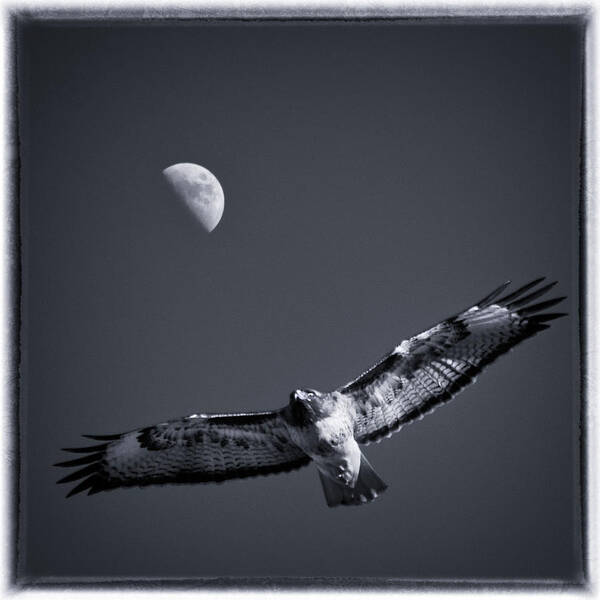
[298, 301]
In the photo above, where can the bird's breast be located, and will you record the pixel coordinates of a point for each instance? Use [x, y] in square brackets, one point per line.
[328, 436]
[331, 428]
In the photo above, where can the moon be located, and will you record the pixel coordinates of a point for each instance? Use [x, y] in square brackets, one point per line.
[199, 190]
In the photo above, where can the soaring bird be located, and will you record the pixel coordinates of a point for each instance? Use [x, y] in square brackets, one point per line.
[328, 428]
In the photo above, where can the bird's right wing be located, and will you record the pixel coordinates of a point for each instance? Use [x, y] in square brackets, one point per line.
[195, 449]
[432, 367]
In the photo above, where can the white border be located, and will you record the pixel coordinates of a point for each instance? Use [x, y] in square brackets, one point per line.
[289, 8]
[303, 8]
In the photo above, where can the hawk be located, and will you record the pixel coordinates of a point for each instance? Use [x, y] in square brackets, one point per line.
[327, 428]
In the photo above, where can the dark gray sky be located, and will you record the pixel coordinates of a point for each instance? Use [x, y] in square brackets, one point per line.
[378, 178]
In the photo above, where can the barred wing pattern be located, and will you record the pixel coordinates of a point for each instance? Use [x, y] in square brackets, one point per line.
[431, 368]
[195, 449]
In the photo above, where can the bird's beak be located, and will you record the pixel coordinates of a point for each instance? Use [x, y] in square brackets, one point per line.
[301, 396]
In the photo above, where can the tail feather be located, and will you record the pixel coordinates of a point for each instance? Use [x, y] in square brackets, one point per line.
[368, 486]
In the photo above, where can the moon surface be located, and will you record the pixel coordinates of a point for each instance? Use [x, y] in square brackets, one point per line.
[200, 191]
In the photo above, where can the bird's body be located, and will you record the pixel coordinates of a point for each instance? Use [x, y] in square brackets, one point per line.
[326, 428]
[322, 424]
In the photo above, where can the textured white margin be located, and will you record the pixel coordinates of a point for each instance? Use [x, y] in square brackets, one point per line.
[590, 384]
[300, 8]
[6, 517]
[307, 8]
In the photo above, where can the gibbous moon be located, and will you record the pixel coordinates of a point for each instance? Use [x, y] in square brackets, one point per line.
[200, 190]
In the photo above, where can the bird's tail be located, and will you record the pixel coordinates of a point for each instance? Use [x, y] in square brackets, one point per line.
[368, 486]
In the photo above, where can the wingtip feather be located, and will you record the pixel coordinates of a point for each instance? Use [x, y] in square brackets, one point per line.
[84, 449]
[84, 460]
[486, 301]
[103, 438]
[520, 291]
[544, 317]
[522, 301]
[536, 308]
[84, 485]
[89, 470]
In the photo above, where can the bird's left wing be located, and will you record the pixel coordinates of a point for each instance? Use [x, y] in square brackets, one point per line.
[430, 368]
[199, 448]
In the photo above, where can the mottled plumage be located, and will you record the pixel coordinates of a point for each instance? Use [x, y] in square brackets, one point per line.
[420, 374]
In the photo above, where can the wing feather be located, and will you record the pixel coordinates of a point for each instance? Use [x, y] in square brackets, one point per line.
[431, 368]
[195, 449]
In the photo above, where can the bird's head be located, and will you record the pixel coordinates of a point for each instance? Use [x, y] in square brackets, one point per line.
[305, 406]
[305, 395]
